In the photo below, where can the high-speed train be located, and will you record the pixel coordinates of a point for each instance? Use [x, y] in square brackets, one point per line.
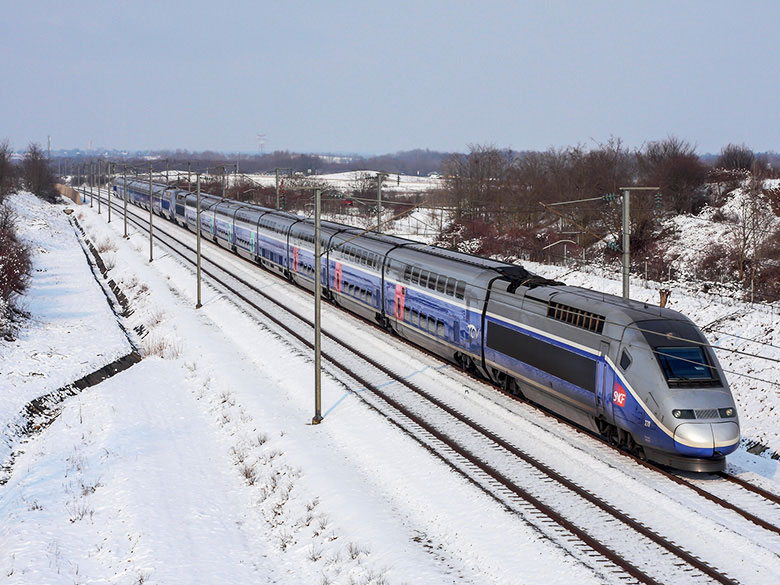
[642, 376]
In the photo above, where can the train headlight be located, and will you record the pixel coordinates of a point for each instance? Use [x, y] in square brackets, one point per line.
[682, 413]
[726, 412]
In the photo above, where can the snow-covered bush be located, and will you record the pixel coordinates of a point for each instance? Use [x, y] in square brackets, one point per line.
[15, 267]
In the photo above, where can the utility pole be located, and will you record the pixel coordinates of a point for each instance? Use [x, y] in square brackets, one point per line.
[151, 256]
[277, 189]
[97, 185]
[627, 233]
[379, 178]
[197, 231]
[90, 184]
[108, 186]
[125, 197]
[317, 329]
[188, 176]
[626, 240]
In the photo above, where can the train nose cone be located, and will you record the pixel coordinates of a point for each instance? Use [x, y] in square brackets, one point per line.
[726, 437]
[705, 439]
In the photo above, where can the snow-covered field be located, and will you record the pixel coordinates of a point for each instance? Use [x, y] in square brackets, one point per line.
[200, 465]
[347, 181]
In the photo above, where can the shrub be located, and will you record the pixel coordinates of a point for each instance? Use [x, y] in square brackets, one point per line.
[15, 267]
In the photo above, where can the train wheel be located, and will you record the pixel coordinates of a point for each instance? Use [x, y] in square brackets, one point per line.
[512, 387]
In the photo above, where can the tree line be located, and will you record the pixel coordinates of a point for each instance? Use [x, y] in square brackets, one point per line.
[501, 200]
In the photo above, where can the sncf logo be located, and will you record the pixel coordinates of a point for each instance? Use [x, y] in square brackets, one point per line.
[618, 395]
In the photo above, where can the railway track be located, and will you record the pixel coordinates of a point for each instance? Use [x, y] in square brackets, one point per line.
[507, 473]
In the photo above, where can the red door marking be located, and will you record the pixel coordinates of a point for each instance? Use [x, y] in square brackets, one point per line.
[295, 259]
[400, 301]
[618, 395]
[337, 278]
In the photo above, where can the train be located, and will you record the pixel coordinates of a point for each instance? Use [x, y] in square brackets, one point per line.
[641, 376]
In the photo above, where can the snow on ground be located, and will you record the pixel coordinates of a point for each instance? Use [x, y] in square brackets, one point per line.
[347, 181]
[200, 465]
[72, 331]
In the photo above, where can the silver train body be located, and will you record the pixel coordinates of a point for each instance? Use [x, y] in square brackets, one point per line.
[642, 376]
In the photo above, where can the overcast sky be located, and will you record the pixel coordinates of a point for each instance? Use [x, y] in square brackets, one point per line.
[376, 77]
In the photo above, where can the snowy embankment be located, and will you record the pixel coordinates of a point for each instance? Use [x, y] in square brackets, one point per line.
[72, 331]
[199, 464]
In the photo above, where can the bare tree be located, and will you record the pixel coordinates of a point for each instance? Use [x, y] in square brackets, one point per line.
[37, 174]
[7, 170]
[674, 165]
[736, 157]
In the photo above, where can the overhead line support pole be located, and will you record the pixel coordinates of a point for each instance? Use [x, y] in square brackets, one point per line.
[626, 241]
[125, 198]
[627, 233]
[151, 205]
[108, 186]
[97, 185]
[317, 302]
[197, 231]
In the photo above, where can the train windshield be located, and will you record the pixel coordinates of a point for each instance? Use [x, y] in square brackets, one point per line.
[679, 348]
[684, 363]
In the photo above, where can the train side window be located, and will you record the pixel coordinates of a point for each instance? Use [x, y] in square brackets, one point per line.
[625, 360]
[415, 317]
[441, 330]
[408, 273]
[451, 287]
[441, 284]
[424, 278]
[460, 290]
[432, 281]
[415, 274]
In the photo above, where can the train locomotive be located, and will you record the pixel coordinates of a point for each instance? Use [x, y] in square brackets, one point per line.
[642, 376]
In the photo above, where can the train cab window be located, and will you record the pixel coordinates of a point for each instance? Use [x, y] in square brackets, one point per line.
[625, 360]
[684, 363]
[679, 348]
[460, 290]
